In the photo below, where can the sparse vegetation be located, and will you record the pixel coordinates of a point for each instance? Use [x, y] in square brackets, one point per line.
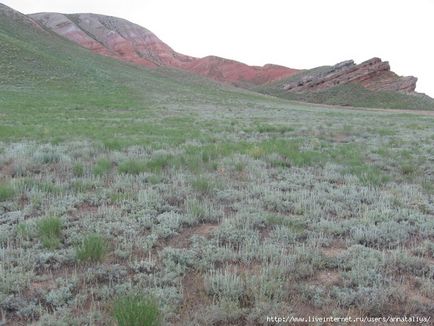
[223, 206]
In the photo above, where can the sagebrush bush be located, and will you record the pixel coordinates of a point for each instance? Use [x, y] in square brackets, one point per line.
[49, 229]
[136, 310]
[92, 249]
[224, 285]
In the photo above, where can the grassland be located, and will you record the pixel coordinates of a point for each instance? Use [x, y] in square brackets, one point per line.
[124, 190]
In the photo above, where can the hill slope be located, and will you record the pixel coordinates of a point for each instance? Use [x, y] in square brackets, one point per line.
[126, 41]
[370, 83]
[44, 75]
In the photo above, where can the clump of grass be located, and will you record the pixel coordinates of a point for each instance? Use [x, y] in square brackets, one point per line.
[23, 231]
[102, 167]
[50, 229]
[295, 224]
[407, 169]
[132, 167]
[6, 192]
[154, 179]
[159, 163]
[112, 144]
[78, 170]
[137, 310]
[92, 249]
[202, 185]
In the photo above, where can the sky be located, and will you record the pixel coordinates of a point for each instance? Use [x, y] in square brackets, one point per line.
[295, 33]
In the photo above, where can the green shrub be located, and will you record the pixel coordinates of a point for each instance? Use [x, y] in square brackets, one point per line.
[132, 167]
[202, 185]
[407, 169]
[159, 163]
[112, 144]
[6, 192]
[93, 249]
[78, 170]
[50, 229]
[135, 310]
[102, 167]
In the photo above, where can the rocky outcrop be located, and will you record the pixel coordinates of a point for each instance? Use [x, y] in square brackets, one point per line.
[373, 74]
[126, 41]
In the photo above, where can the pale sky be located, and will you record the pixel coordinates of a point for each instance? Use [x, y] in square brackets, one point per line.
[297, 34]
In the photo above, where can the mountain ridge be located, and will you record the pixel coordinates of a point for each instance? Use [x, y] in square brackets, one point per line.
[123, 40]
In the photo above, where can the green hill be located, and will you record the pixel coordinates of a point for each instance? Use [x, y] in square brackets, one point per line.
[43, 77]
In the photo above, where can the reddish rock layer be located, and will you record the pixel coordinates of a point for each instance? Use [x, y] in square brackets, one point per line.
[373, 74]
[126, 41]
[238, 73]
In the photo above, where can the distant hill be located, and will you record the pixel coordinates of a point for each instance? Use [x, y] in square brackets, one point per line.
[126, 41]
[44, 56]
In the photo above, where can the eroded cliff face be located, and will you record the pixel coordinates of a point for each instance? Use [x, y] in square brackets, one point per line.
[126, 41]
[238, 73]
[373, 74]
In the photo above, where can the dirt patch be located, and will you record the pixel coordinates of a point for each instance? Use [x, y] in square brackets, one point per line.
[194, 296]
[182, 240]
[328, 278]
[82, 210]
[413, 292]
[335, 250]
[7, 170]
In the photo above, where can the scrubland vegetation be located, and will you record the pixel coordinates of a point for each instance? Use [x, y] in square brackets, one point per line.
[269, 210]
[150, 197]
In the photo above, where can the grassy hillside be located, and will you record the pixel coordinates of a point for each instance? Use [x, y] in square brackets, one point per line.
[349, 95]
[151, 197]
[44, 76]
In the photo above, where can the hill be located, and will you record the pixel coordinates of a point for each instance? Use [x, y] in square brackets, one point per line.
[127, 41]
[369, 84]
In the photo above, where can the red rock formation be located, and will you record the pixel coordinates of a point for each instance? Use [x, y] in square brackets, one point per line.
[238, 73]
[126, 41]
[373, 74]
